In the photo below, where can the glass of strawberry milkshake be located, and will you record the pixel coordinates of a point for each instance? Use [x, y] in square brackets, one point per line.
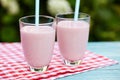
[72, 36]
[37, 41]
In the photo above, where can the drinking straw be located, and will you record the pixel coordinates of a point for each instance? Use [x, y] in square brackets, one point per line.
[37, 13]
[77, 6]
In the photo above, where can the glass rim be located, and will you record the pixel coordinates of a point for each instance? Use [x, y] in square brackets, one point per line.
[57, 15]
[45, 16]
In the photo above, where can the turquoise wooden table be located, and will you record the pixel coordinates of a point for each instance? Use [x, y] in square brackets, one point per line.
[108, 49]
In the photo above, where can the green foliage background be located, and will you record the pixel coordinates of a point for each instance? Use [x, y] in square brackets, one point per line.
[105, 19]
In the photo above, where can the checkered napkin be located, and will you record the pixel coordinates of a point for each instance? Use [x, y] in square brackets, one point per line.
[14, 67]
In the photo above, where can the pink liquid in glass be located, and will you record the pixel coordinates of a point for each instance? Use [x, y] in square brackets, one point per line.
[37, 44]
[72, 39]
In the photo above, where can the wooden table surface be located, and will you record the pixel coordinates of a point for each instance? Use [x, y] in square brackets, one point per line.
[108, 49]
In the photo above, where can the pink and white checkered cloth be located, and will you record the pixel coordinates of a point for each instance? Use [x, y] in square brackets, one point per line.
[13, 66]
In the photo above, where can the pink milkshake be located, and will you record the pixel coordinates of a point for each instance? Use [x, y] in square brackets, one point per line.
[37, 43]
[72, 38]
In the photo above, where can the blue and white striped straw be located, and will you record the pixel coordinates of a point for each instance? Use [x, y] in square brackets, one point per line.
[37, 13]
[77, 7]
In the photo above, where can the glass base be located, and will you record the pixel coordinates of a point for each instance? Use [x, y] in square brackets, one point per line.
[42, 69]
[72, 63]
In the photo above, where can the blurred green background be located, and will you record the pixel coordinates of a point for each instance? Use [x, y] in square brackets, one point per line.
[105, 16]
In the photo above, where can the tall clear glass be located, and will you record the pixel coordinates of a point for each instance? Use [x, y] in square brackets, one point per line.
[37, 41]
[72, 36]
